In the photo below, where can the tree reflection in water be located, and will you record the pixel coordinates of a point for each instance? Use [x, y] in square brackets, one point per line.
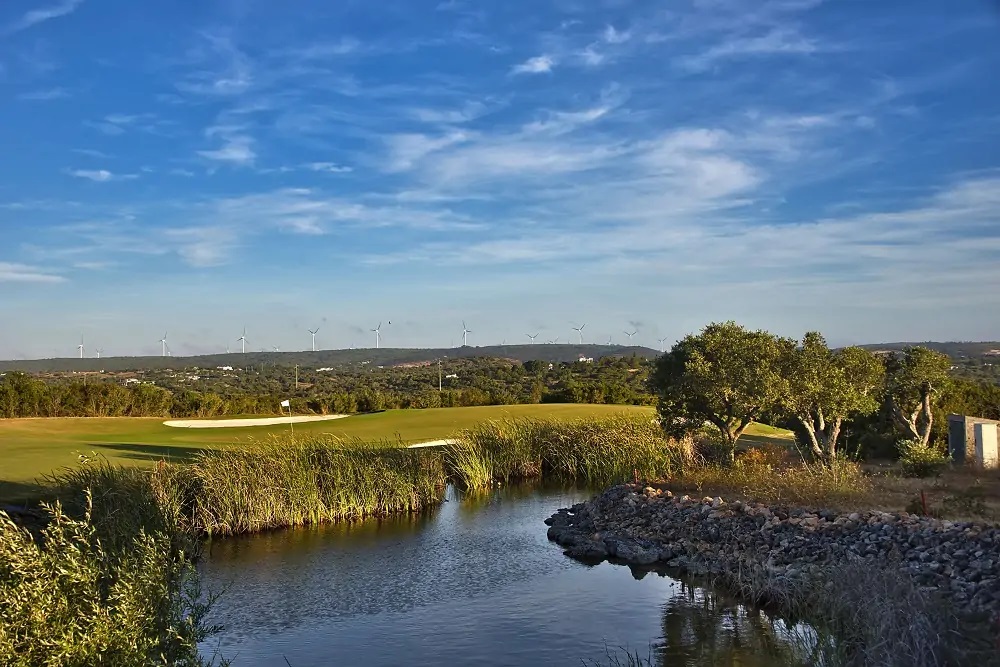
[707, 628]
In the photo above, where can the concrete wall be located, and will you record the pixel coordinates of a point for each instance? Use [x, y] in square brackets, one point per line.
[962, 438]
[986, 445]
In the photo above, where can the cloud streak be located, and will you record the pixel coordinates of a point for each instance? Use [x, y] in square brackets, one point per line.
[100, 175]
[41, 15]
[22, 273]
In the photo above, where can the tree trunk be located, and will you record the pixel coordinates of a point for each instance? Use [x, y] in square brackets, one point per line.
[811, 432]
[906, 424]
[832, 436]
[925, 436]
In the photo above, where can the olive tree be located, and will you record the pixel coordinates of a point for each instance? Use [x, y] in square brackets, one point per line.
[915, 379]
[726, 375]
[825, 387]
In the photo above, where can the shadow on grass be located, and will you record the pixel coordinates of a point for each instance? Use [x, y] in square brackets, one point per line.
[140, 452]
[22, 494]
[757, 440]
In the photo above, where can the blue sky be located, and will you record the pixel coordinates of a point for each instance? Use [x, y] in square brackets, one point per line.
[194, 167]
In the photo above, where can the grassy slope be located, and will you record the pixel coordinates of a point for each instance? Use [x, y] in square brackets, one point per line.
[33, 447]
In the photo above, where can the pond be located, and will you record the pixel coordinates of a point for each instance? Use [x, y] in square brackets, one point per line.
[475, 582]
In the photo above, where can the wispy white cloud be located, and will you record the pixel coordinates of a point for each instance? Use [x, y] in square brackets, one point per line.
[44, 95]
[469, 111]
[405, 150]
[613, 36]
[237, 148]
[100, 175]
[118, 123]
[22, 273]
[779, 41]
[36, 16]
[219, 68]
[205, 245]
[536, 65]
[328, 167]
[91, 152]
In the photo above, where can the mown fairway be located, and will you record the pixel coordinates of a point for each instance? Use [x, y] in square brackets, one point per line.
[30, 448]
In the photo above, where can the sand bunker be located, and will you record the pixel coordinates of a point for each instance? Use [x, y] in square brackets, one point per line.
[432, 443]
[240, 423]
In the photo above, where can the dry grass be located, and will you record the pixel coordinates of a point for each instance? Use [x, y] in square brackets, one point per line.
[959, 493]
[770, 476]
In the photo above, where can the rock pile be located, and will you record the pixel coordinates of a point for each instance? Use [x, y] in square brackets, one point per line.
[644, 525]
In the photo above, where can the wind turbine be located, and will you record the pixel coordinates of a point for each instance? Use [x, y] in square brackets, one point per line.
[163, 345]
[377, 331]
[579, 330]
[99, 352]
[609, 340]
[630, 335]
[465, 334]
[554, 341]
[243, 339]
[313, 332]
[275, 348]
[660, 341]
[80, 346]
[532, 338]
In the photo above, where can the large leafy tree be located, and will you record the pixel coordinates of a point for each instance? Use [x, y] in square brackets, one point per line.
[726, 375]
[825, 387]
[916, 378]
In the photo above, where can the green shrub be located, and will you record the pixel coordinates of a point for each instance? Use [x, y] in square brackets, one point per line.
[918, 460]
[65, 599]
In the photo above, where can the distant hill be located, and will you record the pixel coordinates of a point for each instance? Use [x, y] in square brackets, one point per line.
[329, 358]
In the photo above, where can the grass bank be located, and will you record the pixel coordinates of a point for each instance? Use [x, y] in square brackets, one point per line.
[32, 448]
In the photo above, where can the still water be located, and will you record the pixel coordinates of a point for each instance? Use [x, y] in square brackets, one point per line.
[476, 582]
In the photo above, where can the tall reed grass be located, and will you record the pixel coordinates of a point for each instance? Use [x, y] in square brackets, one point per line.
[262, 485]
[291, 482]
[592, 451]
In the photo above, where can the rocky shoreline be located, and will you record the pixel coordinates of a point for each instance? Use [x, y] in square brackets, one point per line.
[644, 526]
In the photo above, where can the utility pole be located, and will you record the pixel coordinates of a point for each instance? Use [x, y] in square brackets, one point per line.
[296, 377]
[439, 376]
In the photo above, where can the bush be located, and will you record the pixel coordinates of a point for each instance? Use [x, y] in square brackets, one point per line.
[920, 460]
[65, 599]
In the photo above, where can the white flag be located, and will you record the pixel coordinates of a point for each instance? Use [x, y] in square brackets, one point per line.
[286, 403]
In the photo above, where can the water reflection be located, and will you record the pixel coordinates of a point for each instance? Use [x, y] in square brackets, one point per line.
[703, 628]
[476, 578]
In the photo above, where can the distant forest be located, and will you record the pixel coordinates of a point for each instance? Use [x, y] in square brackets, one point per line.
[420, 380]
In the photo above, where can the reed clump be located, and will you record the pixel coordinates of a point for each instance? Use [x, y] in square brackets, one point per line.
[591, 451]
[287, 482]
[259, 486]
